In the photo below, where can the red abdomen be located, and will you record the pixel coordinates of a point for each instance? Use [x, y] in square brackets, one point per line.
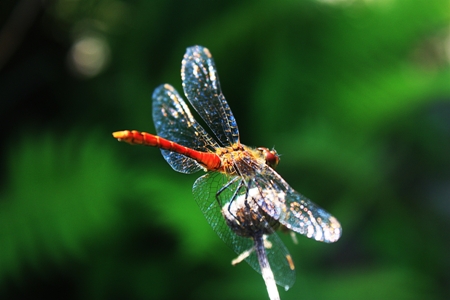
[211, 161]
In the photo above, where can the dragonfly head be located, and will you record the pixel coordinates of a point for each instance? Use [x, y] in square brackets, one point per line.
[271, 157]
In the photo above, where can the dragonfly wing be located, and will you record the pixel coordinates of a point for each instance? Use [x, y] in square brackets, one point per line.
[202, 88]
[294, 210]
[174, 121]
[205, 189]
[280, 261]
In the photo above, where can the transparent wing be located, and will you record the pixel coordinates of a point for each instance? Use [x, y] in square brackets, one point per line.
[294, 210]
[279, 257]
[174, 121]
[204, 190]
[202, 88]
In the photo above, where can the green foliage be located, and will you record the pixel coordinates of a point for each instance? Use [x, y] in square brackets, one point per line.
[355, 95]
[61, 195]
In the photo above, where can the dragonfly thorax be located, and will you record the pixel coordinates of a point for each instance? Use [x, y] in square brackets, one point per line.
[243, 161]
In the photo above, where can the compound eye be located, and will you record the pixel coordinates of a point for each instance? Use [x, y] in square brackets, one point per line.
[271, 157]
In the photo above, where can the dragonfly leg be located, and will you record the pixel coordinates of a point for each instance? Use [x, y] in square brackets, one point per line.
[223, 188]
[247, 189]
[235, 194]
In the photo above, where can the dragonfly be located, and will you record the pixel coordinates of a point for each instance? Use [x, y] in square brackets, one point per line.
[241, 195]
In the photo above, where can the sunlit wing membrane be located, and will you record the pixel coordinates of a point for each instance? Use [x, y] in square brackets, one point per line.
[174, 121]
[293, 210]
[202, 88]
[204, 190]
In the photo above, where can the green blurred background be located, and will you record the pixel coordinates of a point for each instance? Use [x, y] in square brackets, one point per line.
[355, 96]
